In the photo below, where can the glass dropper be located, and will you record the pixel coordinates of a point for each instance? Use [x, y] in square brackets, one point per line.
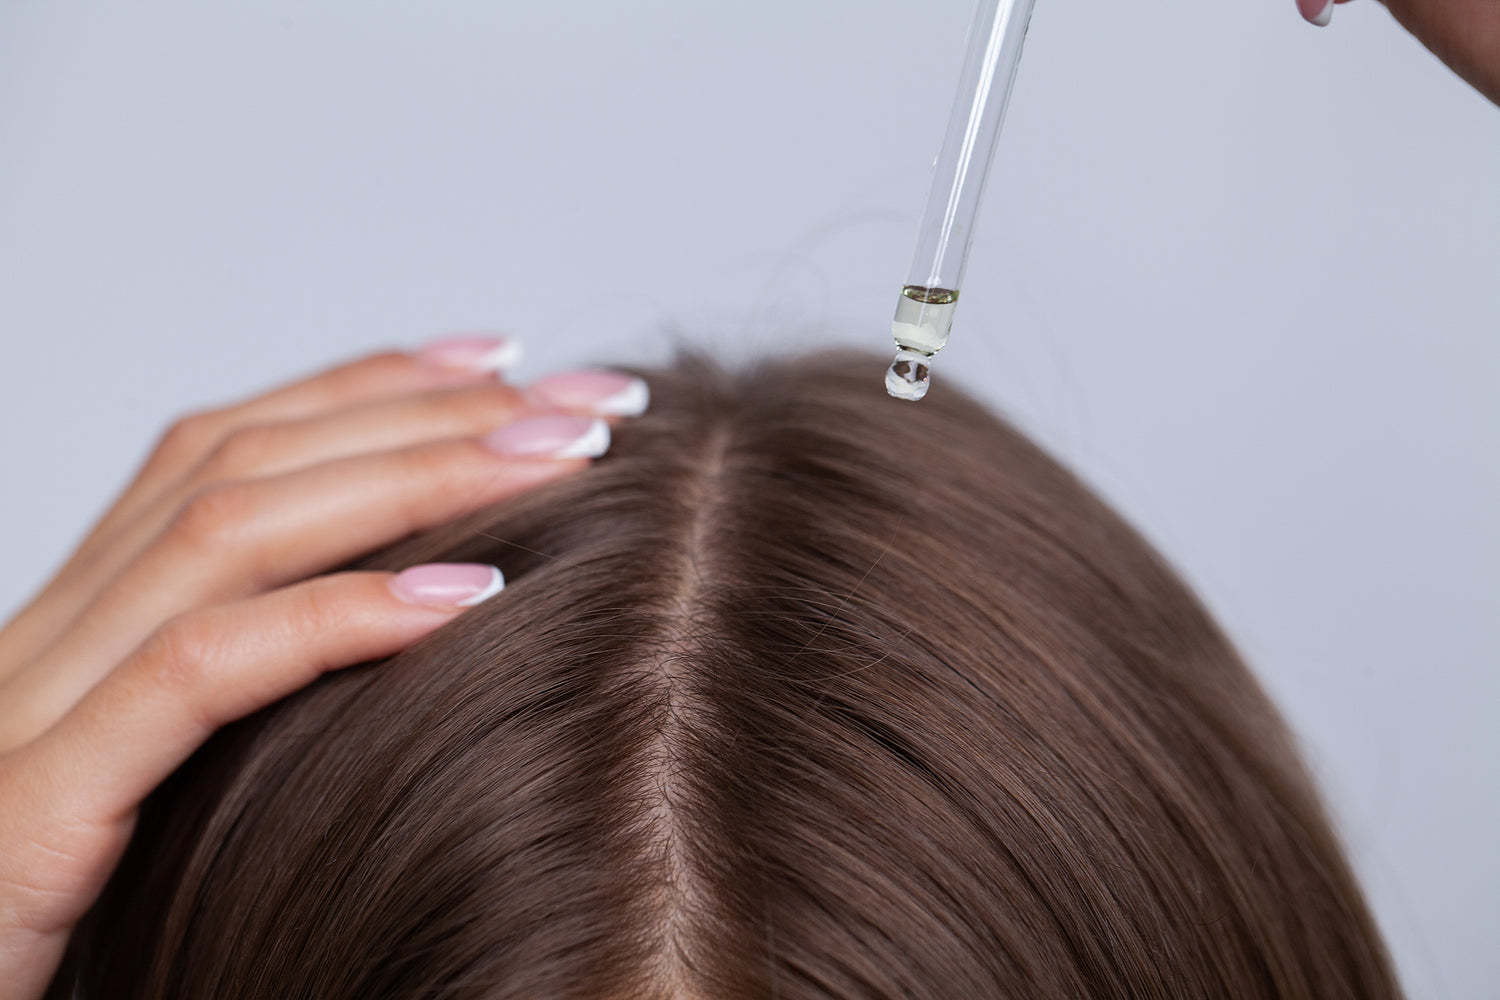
[924, 312]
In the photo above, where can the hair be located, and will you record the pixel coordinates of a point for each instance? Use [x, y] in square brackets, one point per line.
[801, 692]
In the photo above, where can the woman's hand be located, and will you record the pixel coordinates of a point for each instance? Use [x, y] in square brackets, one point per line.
[1465, 34]
[190, 605]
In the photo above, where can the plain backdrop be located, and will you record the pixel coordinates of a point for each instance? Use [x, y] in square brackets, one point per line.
[1241, 273]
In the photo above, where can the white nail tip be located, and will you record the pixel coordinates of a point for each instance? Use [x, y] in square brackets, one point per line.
[630, 401]
[1325, 15]
[496, 584]
[505, 355]
[590, 444]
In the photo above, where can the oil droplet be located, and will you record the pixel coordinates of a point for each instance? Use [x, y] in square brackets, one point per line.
[909, 375]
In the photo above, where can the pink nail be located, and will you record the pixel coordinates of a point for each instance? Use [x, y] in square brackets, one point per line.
[454, 585]
[1318, 12]
[477, 354]
[609, 394]
[551, 437]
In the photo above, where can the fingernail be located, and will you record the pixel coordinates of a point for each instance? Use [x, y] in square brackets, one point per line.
[607, 393]
[551, 437]
[453, 585]
[1318, 12]
[477, 354]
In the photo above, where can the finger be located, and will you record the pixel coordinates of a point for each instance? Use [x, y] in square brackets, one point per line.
[241, 538]
[260, 451]
[223, 662]
[380, 376]
[71, 797]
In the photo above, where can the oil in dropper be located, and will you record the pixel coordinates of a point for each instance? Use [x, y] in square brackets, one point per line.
[923, 318]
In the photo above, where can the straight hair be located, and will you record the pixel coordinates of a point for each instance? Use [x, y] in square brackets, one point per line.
[801, 692]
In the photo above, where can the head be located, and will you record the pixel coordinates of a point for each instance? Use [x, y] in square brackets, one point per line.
[801, 692]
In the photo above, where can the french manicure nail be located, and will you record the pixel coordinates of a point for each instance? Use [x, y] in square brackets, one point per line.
[551, 437]
[453, 585]
[1318, 12]
[476, 354]
[607, 393]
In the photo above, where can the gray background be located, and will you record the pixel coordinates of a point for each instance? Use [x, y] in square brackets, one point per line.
[1239, 272]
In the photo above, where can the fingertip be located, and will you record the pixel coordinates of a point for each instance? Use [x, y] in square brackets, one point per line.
[1318, 12]
[595, 391]
[550, 436]
[447, 585]
[473, 354]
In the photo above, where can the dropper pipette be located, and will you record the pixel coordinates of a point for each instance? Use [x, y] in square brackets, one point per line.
[924, 312]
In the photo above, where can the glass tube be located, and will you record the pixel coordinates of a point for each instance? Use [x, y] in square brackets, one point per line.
[929, 296]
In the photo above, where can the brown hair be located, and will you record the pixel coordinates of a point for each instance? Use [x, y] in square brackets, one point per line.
[801, 692]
